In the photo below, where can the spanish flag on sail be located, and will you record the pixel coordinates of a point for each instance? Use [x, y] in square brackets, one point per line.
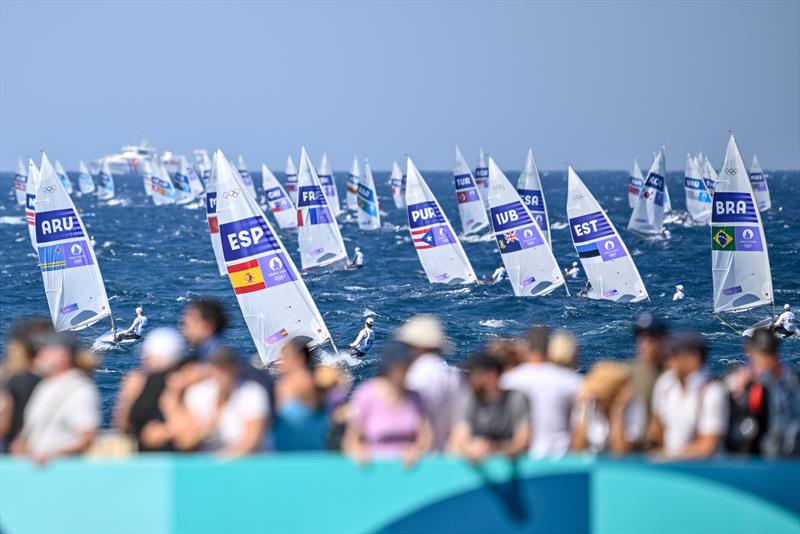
[246, 277]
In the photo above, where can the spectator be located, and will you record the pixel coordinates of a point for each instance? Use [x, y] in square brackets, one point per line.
[19, 375]
[491, 420]
[387, 419]
[550, 389]
[137, 411]
[650, 335]
[690, 411]
[222, 413]
[63, 413]
[509, 351]
[301, 420]
[204, 321]
[562, 350]
[608, 417]
[438, 384]
[765, 402]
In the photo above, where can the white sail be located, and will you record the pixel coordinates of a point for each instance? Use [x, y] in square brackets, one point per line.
[606, 261]
[698, 199]
[351, 196]
[328, 182]
[246, 178]
[85, 180]
[291, 180]
[482, 178]
[31, 187]
[369, 212]
[318, 234]
[667, 200]
[64, 177]
[183, 188]
[278, 201]
[397, 181]
[147, 171]
[195, 184]
[739, 258]
[20, 181]
[710, 176]
[648, 215]
[529, 187]
[73, 284]
[635, 183]
[532, 269]
[160, 183]
[202, 164]
[271, 293]
[759, 182]
[440, 253]
[471, 209]
[105, 182]
[211, 211]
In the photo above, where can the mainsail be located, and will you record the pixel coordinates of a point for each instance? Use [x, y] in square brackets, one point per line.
[85, 180]
[31, 187]
[275, 302]
[635, 183]
[62, 174]
[759, 182]
[471, 209]
[218, 167]
[105, 182]
[73, 284]
[160, 183]
[20, 179]
[440, 253]
[146, 169]
[279, 204]
[482, 178]
[610, 270]
[291, 180]
[529, 187]
[709, 175]
[318, 233]
[195, 184]
[397, 180]
[352, 186]
[202, 163]
[247, 180]
[698, 199]
[328, 182]
[648, 215]
[739, 258]
[369, 214]
[531, 267]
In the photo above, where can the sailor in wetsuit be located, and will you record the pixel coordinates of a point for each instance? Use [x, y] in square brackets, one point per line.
[586, 290]
[136, 328]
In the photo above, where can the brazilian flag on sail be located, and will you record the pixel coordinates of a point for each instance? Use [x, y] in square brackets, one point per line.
[722, 238]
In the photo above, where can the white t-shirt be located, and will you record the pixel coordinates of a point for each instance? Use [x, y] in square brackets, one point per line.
[598, 428]
[573, 272]
[60, 409]
[359, 259]
[551, 389]
[787, 320]
[364, 340]
[440, 387]
[678, 295]
[248, 401]
[499, 274]
[686, 411]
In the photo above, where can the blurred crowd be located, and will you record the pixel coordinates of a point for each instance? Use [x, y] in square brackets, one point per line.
[513, 397]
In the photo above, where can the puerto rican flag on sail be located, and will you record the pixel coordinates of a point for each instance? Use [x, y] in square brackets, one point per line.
[432, 236]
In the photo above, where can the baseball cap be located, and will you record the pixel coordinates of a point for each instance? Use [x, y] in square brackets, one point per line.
[369, 321]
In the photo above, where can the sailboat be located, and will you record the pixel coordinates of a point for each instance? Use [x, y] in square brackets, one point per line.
[73, 283]
[351, 196]
[291, 180]
[440, 253]
[278, 201]
[274, 300]
[62, 174]
[85, 180]
[471, 209]
[318, 235]
[709, 175]
[328, 182]
[195, 184]
[698, 199]
[759, 182]
[160, 182]
[369, 213]
[211, 211]
[105, 182]
[532, 269]
[247, 180]
[20, 181]
[147, 171]
[739, 256]
[529, 187]
[482, 178]
[647, 218]
[31, 188]
[397, 181]
[202, 163]
[635, 183]
[608, 265]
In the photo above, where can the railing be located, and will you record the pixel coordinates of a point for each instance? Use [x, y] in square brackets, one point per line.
[328, 493]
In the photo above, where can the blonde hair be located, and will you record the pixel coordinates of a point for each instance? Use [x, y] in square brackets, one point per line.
[563, 349]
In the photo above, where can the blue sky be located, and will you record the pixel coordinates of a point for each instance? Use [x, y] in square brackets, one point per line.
[593, 84]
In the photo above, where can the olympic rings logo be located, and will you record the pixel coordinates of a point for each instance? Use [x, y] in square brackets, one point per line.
[731, 171]
[49, 189]
[233, 193]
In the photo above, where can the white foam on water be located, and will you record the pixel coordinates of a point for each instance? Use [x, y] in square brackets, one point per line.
[12, 220]
[493, 323]
[558, 225]
[139, 254]
[119, 202]
[343, 359]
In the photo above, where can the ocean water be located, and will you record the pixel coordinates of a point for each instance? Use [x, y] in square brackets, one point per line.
[158, 257]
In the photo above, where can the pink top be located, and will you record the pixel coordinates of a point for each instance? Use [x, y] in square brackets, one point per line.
[387, 428]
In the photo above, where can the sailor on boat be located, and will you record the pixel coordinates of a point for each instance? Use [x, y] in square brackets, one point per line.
[678, 293]
[136, 328]
[586, 290]
[364, 341]
[499, 274]
[573, 271]
[358, 259]
[786, 323]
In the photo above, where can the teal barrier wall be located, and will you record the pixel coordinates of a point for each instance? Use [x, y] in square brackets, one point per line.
[328, 493]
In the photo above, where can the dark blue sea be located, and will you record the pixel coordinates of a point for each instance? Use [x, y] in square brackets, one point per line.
[158, 257]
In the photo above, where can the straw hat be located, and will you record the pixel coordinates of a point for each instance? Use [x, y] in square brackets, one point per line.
[605, 379]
